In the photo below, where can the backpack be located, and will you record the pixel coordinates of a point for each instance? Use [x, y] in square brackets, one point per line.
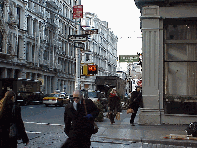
[192, 129]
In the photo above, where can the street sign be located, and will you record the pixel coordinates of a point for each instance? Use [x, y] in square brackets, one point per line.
[79, 45]
[78, 38]
[92, 31]
[128, 58]
[77, 11]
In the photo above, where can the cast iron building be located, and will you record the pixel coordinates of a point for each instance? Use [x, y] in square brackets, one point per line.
[34, 45]
[101, 49]
[169, 61]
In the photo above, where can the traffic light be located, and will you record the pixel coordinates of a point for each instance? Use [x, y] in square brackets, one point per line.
[85, 70]
[89, 70]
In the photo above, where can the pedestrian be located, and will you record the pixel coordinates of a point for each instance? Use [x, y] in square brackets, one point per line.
[113, 103]
[135, 102]
[79, 126]
[10, 114]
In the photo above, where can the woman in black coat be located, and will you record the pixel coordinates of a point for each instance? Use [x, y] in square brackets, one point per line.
[135, 103]
[10, 113]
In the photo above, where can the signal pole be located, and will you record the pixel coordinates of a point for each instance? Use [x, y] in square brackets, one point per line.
[78, 55]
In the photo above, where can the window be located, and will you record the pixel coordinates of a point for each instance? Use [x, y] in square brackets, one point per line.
[1, 41]
[28, 25]
[34, 27]
[18, 16]
[180, 58]
[18, 47]
[27, 51]
[33, 48]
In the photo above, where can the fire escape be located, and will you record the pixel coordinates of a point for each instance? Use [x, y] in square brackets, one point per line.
[6, 35]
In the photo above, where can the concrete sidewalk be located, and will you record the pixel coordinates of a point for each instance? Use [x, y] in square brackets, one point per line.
[119, 135]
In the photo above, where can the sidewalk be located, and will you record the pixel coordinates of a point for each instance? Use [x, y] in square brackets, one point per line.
[119, 135]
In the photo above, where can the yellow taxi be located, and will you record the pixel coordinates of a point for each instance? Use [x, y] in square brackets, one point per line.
[55, 99]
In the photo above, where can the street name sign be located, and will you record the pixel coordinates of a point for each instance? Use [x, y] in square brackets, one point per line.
[78, 38]
[92, 31]
[128, 58]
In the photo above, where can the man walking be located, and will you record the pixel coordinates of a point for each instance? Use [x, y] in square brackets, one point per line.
[79, 125]
[135, 103]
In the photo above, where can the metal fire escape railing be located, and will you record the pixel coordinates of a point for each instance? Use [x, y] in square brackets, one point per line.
[6, 31]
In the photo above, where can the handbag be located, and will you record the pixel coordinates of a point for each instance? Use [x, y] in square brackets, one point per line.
[95, 125]
[118, 116]
[130, 111]
[13, 133]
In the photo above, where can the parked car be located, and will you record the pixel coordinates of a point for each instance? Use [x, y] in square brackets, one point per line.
[71, 98]
[56, 99]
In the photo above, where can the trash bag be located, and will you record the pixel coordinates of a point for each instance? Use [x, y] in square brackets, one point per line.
[192, 129]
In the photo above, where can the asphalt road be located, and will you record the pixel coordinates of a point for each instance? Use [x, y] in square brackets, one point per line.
[39, 119]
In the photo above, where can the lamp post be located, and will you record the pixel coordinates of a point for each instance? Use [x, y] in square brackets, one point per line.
[78, 55]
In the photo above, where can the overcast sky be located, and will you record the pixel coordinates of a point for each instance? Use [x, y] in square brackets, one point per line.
[123, 19]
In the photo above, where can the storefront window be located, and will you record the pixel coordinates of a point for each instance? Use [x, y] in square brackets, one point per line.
[180, 77]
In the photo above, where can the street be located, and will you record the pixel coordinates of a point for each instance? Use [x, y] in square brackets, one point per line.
[45, 128]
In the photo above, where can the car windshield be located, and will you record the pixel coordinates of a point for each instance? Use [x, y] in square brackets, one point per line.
[92, 94]
[53, 95]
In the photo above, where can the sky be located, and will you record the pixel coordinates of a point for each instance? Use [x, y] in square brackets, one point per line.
[123, 19]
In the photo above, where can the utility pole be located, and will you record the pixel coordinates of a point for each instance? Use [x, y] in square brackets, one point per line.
[78, 55]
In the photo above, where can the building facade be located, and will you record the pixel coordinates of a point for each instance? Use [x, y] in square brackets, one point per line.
[169, 70]
[34, 45]
[101, 49]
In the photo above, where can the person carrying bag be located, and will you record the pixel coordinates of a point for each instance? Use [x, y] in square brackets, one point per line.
[11, 124]
[113, 103]
[135, 103]
[95, 125]
[79, 122]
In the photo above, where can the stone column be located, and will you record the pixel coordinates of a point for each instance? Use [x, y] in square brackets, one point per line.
[152, 29]
[5, 73]
[12, 73]
[46, 84]
[50, 85]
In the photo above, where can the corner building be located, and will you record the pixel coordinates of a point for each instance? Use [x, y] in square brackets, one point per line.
[34, 45]
[100, 49]
[169, 46]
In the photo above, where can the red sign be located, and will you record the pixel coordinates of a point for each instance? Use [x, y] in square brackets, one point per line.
[139, 83]
[77, 11]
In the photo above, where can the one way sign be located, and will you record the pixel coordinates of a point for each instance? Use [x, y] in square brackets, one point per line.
[78, 38]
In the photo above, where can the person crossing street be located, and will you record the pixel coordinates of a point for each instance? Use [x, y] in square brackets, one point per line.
[79, 126]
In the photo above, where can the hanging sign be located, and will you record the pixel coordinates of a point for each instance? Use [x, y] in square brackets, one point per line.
[77, 11]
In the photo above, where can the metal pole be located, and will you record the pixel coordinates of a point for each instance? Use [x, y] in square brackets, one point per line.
[78, 55]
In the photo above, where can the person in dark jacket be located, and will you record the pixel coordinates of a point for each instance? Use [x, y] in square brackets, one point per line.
[135, 103]
[79, 125]
[10, 113]
[113, 103]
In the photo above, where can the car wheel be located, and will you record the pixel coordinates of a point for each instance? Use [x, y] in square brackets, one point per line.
[46, 105]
